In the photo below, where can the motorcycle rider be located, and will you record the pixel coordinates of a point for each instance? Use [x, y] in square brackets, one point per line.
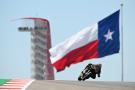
[90, 71]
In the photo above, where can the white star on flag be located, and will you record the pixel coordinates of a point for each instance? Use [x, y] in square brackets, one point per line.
[108, 35]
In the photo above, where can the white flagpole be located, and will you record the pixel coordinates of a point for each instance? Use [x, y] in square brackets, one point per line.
[122, 72]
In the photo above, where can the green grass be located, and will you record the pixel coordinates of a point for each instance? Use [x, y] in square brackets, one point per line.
[2, 81]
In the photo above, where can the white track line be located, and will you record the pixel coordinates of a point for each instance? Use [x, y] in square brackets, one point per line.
[27, 84]
[16, 85]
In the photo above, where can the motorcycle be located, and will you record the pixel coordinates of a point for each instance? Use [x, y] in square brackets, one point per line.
[90, 71]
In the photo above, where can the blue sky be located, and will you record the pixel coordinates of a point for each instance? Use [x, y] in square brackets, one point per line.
[66, 18]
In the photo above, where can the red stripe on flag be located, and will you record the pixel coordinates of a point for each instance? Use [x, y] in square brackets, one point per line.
[88, 51]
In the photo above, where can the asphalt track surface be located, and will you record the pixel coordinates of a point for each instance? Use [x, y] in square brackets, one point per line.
[76, 85]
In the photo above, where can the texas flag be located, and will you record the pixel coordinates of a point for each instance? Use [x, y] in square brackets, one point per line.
[96, 41]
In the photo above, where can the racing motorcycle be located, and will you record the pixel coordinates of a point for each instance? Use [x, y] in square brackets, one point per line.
[90, 71]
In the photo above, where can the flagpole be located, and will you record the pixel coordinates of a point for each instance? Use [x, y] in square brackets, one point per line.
[122, 72]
